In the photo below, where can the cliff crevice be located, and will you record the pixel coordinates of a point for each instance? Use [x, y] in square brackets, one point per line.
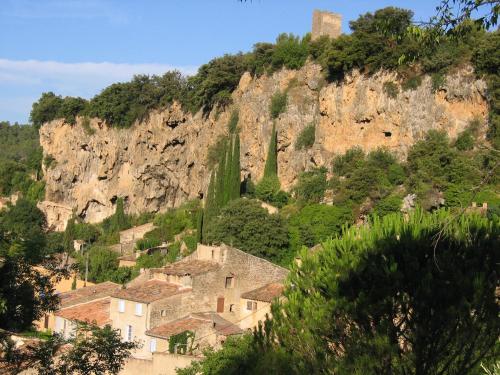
[162, 161]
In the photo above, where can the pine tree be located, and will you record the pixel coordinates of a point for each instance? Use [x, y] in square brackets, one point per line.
[271, 167]
[235, 170]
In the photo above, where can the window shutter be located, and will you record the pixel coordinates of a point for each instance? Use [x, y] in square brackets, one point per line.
[152, 345]
[138, 309]
[121, 305]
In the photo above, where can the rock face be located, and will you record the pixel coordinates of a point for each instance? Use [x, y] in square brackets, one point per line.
[162, 161]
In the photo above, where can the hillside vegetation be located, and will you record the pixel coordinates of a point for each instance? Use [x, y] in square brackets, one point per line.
[378, 41]
[20, 161]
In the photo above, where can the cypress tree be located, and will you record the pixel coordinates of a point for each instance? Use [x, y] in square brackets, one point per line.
[120, 220]
[210, 205]
[220, 181]
[199, 226]
[228, 172]
[235, 170]
[69, 235]
[271, 167]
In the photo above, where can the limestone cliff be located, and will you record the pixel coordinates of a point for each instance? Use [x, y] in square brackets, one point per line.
[162, 161]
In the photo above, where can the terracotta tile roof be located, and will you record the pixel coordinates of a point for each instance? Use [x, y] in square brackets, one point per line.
[177, 326]
[92, 312]
[194, 322]
[88, 294]
[150, 291]
[189, 267]
[222, 326]
[265, 293]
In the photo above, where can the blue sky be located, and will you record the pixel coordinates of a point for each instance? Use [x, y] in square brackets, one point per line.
[77, 47]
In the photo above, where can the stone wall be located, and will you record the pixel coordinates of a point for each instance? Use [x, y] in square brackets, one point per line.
[160, 364]
[326, 23]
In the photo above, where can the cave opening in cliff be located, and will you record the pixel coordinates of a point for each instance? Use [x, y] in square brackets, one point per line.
[387, 134]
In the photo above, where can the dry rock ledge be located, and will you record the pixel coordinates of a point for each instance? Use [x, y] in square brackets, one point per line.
[162, 161]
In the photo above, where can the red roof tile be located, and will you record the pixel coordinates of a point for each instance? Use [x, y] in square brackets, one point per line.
[88, 294]
[265, 293]
[194, 322]
[92, 312]
[150, 291]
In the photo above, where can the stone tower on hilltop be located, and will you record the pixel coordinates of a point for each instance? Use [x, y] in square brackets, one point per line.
[326, 23]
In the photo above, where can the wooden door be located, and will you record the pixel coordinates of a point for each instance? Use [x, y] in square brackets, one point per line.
[220, 304]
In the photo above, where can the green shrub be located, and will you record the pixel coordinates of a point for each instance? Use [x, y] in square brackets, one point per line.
[49, 162]
[243, 223]
[147, 243]
[311, 186]
[391, 89]
[278, 104]
[306, 137]
[290, 51]
[267, 188]
[155, 260]
[411, 83]
[36, 191]
[343, 165]
[438, 81]
[87, 129]
[190, 242]
[70, 108]
[315, 223]
[387, 205]
[45, 109]
[465, 141]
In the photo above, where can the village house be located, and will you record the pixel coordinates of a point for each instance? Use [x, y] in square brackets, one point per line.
[176, 311]
[210, 281]
[256, 304]
[206, 329]
[89, 304]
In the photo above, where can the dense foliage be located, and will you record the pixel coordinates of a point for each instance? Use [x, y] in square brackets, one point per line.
[412, 295]
[378, 40]
[306, 137]
[20, 161]
[93, 350]
[244, 224]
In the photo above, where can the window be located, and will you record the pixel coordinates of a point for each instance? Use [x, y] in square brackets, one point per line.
[229, 282]
[138, 309]
[121, 305]
[231, 307]
[251, 305]
[152, 345]
[128, 330]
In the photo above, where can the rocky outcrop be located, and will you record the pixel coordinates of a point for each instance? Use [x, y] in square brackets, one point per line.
[162, 161]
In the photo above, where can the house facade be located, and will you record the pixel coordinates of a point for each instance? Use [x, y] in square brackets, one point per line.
[214, 293]
[210, 281]
[90, 304]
